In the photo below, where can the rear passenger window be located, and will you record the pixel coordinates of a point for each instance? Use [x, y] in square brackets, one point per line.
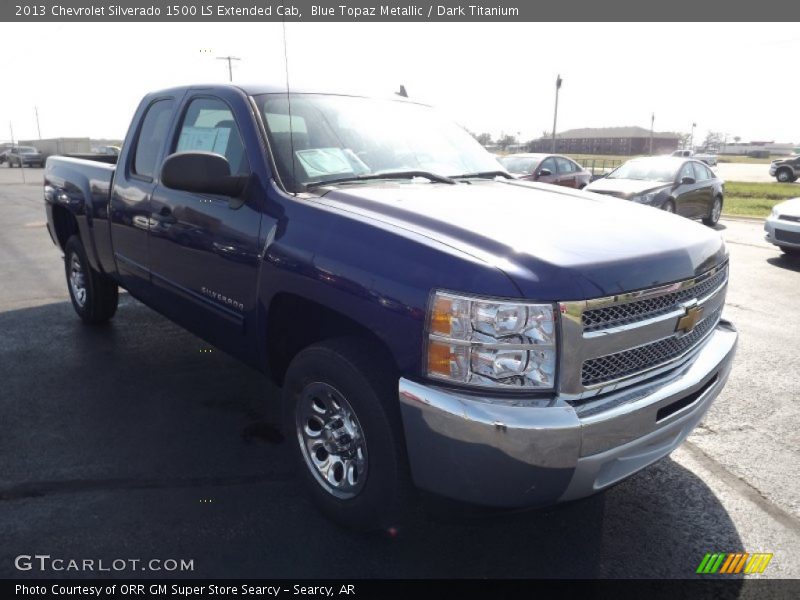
[209, 126]
[151, 137]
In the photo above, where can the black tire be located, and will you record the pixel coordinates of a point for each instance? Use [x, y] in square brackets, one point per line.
[100, 295]
[368, 385]
[785, 175]
[713, 214]
[668, 206]
[790, 251]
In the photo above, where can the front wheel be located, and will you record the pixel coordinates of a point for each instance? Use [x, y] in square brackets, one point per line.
[341, 417]
[790, 251]
[716, 211]
[94, 296]
[785, 176]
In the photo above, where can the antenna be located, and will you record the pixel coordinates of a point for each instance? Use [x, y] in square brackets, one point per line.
[289, 103]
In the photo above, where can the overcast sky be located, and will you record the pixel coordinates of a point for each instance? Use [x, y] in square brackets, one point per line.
[739, 79]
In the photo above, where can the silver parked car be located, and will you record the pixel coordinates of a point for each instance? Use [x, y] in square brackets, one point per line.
[783, 226]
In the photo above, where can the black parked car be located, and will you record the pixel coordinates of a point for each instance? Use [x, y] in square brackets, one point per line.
[686, 187]
[26, 156]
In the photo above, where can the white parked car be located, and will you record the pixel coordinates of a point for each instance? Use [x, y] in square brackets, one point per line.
[783, 226]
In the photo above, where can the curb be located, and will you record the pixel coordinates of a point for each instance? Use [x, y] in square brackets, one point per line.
[745, 219]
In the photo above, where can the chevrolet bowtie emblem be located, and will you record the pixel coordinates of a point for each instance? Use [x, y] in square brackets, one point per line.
[689, 321]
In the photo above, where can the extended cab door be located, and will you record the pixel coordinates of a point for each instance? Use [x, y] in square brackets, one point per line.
[134, 181]
[204, 248]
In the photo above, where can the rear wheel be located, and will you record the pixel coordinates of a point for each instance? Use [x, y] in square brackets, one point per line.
[94, 296]
[713, 216]
[341, 415]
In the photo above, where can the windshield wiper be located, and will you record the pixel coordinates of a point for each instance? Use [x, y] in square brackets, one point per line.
[483, 175]
[436, 178]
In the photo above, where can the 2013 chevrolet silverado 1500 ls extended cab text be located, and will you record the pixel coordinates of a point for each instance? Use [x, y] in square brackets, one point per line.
[433, 322]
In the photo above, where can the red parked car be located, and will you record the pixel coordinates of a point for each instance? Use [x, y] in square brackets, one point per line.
[547, 168]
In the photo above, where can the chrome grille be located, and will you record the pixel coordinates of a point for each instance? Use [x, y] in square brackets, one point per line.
[630, 312]
[635, 360]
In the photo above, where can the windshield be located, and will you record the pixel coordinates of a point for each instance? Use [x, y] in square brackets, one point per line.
[646, 170]
[27, 150]
[336, 137]
[519, 165]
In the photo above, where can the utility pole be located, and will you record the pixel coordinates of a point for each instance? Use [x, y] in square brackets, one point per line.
[11, 129]
[652, 122]
[555, 112]
[691, 138]
[230, 60]
[39, 129]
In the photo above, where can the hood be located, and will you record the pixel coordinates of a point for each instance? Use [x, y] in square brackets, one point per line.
[624, 188]
[789, 207]
[554, 243]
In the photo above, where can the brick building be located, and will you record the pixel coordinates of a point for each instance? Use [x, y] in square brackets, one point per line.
[608, 140]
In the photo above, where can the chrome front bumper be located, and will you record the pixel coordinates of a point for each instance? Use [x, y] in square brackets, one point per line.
[485, 451]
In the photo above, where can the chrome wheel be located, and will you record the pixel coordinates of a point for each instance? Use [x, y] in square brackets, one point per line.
[77, 280]
[783, 176]
[716, 210]
[331, 440]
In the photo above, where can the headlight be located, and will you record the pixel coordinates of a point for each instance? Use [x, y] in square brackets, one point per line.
[774, 214]
[491, 343]
[645, 198]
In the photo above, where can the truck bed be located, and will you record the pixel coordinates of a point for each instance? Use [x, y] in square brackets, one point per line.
[82, 188]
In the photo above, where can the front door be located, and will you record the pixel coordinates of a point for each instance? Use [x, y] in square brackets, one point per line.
[204, 248]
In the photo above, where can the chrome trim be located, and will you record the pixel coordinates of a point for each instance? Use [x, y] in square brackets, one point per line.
[479, 448]
[486, 345]
[579, 345]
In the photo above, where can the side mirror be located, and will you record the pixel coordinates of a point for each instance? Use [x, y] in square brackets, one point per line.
[688, 181]
[201, 173]
[544, 173]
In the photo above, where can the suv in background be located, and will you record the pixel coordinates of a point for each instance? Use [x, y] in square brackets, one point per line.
[786, 170]
[24, 156]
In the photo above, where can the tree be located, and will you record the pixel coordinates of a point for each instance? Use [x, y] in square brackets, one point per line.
[737, 138]
[506, 140]
[712, 142]
[684, 140]
[484, 139]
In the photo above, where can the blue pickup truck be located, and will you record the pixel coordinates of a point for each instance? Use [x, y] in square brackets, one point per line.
[434, 323]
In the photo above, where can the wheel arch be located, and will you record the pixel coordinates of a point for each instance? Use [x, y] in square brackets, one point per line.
[294, 322]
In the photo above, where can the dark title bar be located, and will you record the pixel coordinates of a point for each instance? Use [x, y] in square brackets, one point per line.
[228, 589]
[398, 10]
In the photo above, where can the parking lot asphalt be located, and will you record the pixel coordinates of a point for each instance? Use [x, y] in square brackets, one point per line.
[133, 441]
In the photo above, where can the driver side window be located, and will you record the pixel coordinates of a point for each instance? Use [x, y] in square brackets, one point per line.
[209, 126]
[549, 164]
[686, 171]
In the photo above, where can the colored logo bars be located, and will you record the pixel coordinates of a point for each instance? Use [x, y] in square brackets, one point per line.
[734, 562]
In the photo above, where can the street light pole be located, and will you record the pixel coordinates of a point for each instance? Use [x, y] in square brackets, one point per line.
[555, 112]
[11, 129]
[652, 122]
[691, 138]
[39, 129]
[230, 59]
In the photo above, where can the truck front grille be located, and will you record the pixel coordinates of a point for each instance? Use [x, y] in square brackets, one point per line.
[630, 312]
[635, 360]
[613, 342]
